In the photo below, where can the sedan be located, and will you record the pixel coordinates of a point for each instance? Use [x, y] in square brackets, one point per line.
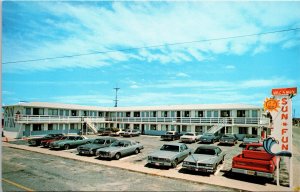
[91, 148]
[120, 149]
[169, 155]
[206, 158]
[190, 137]
[70, 142]
[250, 139]
[209, 138]
[228, 139]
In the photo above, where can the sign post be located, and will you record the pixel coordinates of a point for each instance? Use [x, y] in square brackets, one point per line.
[280, 141]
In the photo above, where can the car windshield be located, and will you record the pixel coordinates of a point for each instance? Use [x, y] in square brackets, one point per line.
[118, 144]
[169, 133]
[208, 134]
[228, 136]
[251, 136]
[205, 151]
[170, 148]
[99, 141]
[190, 134]
[64, 138]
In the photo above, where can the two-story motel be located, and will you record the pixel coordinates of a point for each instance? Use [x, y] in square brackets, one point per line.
[38, 118]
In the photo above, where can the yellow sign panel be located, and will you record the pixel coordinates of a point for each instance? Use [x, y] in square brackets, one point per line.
[271, 105]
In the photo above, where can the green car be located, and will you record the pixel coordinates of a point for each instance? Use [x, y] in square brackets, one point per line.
[68, 142]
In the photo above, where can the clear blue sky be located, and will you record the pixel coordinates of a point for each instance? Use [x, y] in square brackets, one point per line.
[240, 70]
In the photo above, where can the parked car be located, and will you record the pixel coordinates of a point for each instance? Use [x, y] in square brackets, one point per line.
[250, 139]
[171, 135]
[120, 149]
[190, 137]
[37, 141]
[206, 158]
[228, 139]
[209, 138]
[91, 148]
[255, 161]
[169, 155]
[46, 142]
[131, 133]
[121, 133]
[105, 132]
[70, 142]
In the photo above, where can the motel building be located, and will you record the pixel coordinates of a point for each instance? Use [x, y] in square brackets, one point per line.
[40, 118]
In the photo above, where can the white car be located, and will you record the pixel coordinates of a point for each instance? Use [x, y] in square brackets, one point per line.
[190, 137]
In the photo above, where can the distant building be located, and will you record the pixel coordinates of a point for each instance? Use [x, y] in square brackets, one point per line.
[38, 118]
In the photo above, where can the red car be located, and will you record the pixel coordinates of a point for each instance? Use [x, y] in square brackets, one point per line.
[254, 160]
[46, 142]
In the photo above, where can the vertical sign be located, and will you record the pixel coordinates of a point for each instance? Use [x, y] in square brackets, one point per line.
[280, 141]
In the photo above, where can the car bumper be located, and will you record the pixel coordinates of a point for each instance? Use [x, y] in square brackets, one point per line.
[254, 173]
[55, 147]
[85, 152]
[227, 142]
[187, 140]
[159, 163]
[200, 169]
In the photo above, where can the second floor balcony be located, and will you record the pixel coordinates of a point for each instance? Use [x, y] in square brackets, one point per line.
[228, 121]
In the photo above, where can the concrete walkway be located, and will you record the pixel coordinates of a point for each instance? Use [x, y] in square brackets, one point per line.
[172, 173]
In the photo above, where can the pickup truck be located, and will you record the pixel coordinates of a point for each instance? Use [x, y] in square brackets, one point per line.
[254, 160]
[171, 135]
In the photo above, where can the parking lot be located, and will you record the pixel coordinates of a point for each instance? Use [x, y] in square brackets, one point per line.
[152, 143]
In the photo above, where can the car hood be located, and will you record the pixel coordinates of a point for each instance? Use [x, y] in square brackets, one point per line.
[111, 149]
[200, 158]
[91, 146]
[164, 154]
[62, 142]
[207, 137]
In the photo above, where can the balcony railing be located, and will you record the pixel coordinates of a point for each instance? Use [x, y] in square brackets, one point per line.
[168, 120]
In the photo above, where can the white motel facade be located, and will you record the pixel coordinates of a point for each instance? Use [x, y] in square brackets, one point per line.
[39, 118]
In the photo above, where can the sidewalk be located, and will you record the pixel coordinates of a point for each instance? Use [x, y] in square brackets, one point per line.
[172, 173]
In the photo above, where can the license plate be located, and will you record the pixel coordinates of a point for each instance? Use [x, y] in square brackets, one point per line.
[226, 141]
[249, 172]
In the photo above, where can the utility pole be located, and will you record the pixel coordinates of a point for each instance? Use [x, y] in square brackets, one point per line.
[116, 100]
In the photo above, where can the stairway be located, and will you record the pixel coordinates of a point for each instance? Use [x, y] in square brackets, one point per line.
[215, 128]
[91, 125]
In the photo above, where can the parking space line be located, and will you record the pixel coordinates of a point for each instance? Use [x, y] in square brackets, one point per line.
[218, 170]
[17, 185]
[128, 157]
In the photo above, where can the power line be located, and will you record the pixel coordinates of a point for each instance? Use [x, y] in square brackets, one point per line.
[152, 46]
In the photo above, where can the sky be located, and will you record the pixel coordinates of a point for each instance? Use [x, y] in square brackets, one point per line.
[174, 52]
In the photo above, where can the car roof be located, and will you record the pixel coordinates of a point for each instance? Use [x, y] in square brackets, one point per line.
[208, 147]
[124, 141]
[173, 143]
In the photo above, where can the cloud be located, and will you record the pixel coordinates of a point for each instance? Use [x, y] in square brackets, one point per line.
[67, 28]
[230, 67]
[181, 74]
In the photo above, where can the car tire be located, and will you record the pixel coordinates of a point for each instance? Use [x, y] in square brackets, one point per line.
[136, 151]
[221, 162]
[174, 163]
[66, 147]
[117, 156]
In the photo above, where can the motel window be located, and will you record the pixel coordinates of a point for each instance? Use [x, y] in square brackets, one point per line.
[173, 113]
[61, 112]
[186, 114]
[184, 128]
[67, 112]
[28, 111]
[208, 113]
[127, 114]
[199, 114]
[225, 113]
[164, 113]
[241, 113]
[153, 127]
[153, 114]
[38, 111]
[164, 127]
[136, 114]
[61, 126]
[136, 126]
[52, 112]
[172, 127]
[66, 126]
[199, 129]
[254, 113]
[216, 113]
[50, 126]
[243, 130]
[100, 114]
[73, 113]
[72, 126]
[37, 127]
